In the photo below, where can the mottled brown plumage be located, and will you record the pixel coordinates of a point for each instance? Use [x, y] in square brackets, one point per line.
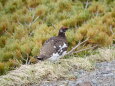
[54, 46]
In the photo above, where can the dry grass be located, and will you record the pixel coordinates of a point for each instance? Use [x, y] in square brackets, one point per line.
[107, 54]
[27, 74]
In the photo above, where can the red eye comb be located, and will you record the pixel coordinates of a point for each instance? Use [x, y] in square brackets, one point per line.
[64, 27]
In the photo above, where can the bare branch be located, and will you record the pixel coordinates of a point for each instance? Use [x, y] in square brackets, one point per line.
[9, 33]
[33, 21]
[30, 24]
[27, 60]
[33, 16]
[81, 46]
[36, 19]
[80, 43]
[76, 26]
[87, 3]
[54, 26]
[20, 23]
[86, 49]
[17, 61]
[111, 29]
[97, 13]
[23, 58]
[71, 51]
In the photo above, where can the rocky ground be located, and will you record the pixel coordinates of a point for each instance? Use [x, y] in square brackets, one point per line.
[103, 75]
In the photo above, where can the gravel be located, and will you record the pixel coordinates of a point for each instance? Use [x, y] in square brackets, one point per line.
[103, 75]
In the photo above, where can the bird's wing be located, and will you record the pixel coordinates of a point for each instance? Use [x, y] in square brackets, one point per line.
[53, 45]
[47, 41]
[61, 45]
[48, 48]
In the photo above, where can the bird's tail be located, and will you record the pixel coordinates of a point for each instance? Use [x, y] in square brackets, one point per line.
[41, 57]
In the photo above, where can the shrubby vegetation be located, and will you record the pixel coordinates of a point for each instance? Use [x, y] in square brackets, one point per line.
[26, 24]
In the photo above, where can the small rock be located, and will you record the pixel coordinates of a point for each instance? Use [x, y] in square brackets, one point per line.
[84, 84]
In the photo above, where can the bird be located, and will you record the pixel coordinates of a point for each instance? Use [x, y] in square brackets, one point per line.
[54, 47]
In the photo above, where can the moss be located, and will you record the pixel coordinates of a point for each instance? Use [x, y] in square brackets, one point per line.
[11, 6]
[25, 49]
[20, 32]
[3, 2]
[36, 49]
[2, 68]
[7, 56]
[64, 5]
[1, 6]
[77, 20]
[97, 7]
[41, 10]
[34, 3]
[71, 39]
[11, 64]
[2, 41]
[3, 27]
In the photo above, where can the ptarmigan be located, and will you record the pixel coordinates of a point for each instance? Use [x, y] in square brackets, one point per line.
[54, 47]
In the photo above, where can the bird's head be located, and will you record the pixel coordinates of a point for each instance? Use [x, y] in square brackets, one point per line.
[63, 29]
